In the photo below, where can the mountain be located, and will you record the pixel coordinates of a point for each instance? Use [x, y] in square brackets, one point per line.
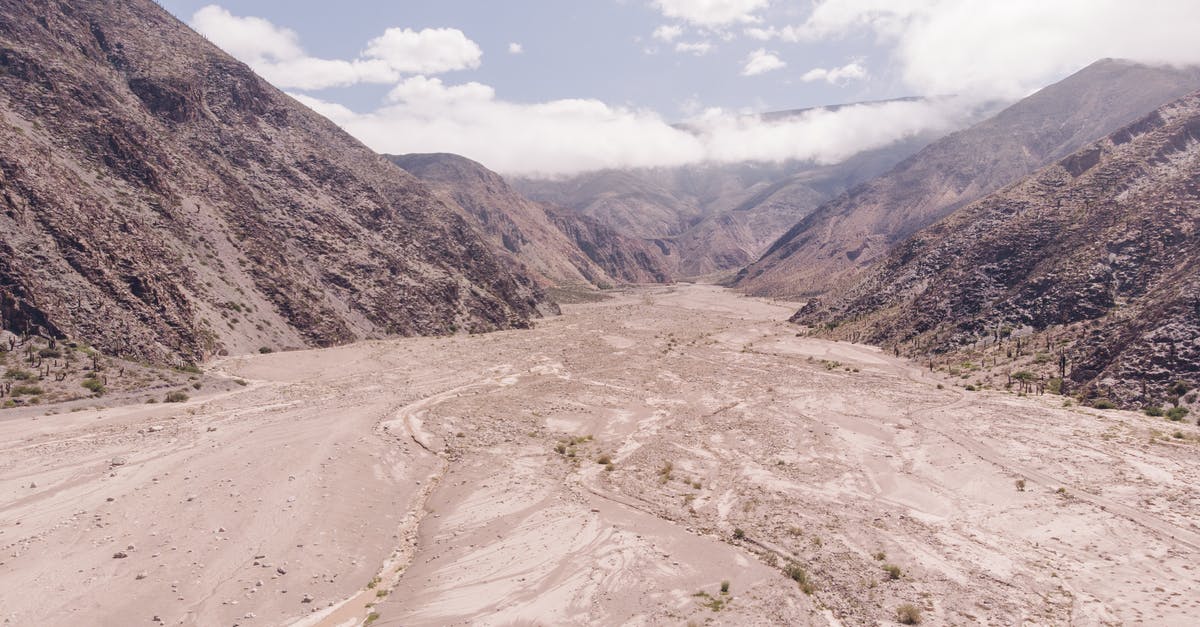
[833, 244]
[560, 247]
[1096, 257]
[160, 201]
[714, 217]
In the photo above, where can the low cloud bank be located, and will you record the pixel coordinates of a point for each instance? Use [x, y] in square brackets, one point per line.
[566, 137]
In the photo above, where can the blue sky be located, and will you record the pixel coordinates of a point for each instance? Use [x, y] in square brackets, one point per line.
[578, 49]
[552, 87]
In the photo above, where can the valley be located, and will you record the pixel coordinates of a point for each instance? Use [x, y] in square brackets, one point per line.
[616, 464]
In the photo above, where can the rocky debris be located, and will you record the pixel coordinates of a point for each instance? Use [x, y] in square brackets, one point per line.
[830, 248]
[117, 461]
[163, 203]
[120, 555]
[1101, 250]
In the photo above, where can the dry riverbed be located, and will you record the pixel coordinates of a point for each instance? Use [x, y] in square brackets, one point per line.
[668, 456]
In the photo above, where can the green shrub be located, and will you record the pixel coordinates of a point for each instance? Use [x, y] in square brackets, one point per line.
[796, 573]
[17, 374]
[739, 534]
[266, 350]
[1154, 411]
[27, 390]
[50, 353]
[1103, 403]
[95, 386]
[1175, 414]
[893, 571]
[724, 587]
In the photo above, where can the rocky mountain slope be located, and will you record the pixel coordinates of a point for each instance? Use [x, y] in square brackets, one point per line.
[714, 217]
[160, 201]
[834, 243]
[561, 247]
[1095, 258]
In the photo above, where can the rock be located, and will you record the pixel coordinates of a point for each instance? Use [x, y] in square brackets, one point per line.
[120, 555]
[281, 570]
[307, 599]
[156, 428]
[118, 461]
[141, 575]
[32, 484]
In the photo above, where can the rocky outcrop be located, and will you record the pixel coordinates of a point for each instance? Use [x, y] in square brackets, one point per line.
[160, 201]
[559, 246]
[833, 244]
[1101, 249]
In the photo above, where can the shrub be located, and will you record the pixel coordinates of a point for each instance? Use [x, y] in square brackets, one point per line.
[17, 374]
[879, 556]
[175, 397]
[908, 614]
[27, 390]
[970, 388]
[95, 386]
[1175, 414]
[266, 350]
[796, 573]
[1103, 403]
[604, 460]
[50, 353]
[1020, 485]
[739, 534]
[724, 587]
[893, 571]
[1154, 411]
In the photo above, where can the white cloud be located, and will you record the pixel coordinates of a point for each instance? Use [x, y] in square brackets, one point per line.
[698, 48]
[515, 48]
[667, 33]
[761, 61]
[711, 13]
[570, 136]
[854, 70]
[1005, 49]
[276, 54]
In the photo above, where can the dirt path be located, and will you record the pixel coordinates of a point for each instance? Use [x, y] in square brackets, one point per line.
[614, 465]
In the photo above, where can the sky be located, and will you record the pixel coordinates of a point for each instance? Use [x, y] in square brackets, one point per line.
[557, 87]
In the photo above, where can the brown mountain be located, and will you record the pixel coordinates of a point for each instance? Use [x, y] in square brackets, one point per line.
[834, 243]
[159, 200]
[714, 217]
[1096, 257]
[560, 247]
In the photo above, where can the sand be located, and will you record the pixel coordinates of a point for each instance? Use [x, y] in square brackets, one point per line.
[424, 477]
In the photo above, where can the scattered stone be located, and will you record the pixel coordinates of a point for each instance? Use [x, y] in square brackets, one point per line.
[281, 570]
[120, 555]
[118, 461]
[156, 428]
[307, 599]
[32, 484]
[141, 575]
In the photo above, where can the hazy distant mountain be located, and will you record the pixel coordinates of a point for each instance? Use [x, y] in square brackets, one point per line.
[561, 247]
[1106, 241]
[159, 200]
[715, 217]
[832, 244]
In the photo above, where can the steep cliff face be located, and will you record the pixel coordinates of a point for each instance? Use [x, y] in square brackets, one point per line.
[1098, 255]
[160, 201]
[559, 247]
[833, 244]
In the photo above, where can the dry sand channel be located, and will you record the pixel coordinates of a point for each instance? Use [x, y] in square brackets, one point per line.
[424, 477]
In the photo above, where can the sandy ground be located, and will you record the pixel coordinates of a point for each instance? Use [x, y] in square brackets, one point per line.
[614, 465]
